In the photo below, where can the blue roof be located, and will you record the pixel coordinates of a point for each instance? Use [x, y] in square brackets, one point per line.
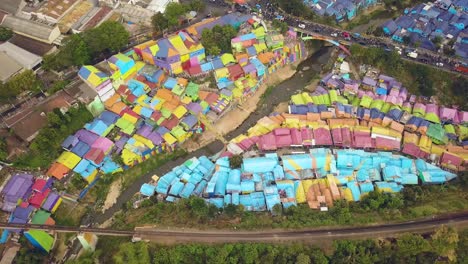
[259, 164]
[81, 149]
[97, 126]
[108, 117]
[147, 189]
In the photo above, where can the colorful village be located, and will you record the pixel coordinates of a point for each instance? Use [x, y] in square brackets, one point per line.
[148, 104]
[343, 140]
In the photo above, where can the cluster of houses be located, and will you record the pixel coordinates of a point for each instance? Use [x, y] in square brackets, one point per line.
[341, 10]
[444, 19]
[146, 103]
[29, 199]
[338, 142]
[318, 177]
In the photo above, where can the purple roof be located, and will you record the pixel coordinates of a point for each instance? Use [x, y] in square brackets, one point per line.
[194, 108]
[155, 137]
[50, 201]
[70, 142]
[23, 213]
[249, 68]
[121, 142]
[369, 81]
[162, 130]
[144, 130]
[17, 187]
[386, 78]
[86, 136]
[108, 117]
[190, 121]
[432, 108]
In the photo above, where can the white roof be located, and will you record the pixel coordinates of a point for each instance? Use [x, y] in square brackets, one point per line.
[159, 5]
[28, 27]
[25, 58]
[8, 67]
[344, 68]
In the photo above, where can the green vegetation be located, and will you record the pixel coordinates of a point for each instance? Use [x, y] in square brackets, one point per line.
[295, 7]
[366, 19]
[414, 202]
[3, 149]
[5, 34]
[235, 161]
[445, 245]
[281, 26]
[46, 146]
[418, 78]
[218, 39]
[79, 49]
[25, 81]
[174, 14]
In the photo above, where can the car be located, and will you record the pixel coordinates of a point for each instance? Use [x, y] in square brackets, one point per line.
[301, 26]
[439, 64]
[334, 34]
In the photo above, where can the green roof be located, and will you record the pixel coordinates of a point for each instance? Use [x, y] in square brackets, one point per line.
[41, 238]
[437, 134]
[192, 90]
[40, 217]
[178, 90]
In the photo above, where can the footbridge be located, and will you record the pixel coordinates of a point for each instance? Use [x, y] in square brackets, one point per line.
[308, 35]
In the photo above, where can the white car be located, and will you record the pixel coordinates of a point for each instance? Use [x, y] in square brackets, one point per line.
[439, 64]
[334, 34]
[301, 26]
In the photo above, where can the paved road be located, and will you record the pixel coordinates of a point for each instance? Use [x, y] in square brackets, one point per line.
[223, 236]
[270, 12]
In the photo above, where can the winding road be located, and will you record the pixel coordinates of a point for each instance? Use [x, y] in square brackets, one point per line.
[224, 236]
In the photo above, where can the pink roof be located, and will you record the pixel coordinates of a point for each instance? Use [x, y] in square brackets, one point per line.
[296, 136]
[267, 142]
[281, 131]
[463, 116]
[283, 141]
[322, 137]
[419, 106]
[346, 136]
[387, 144]
[38, 198]
[450, 159]
[362, 141]
[432, 108]
[394, 92]
[447, 113]
[411, 149]
[307, 136]
[412, 98]
[103, 144]
[391, 99]
[246, 144]
[337, 137]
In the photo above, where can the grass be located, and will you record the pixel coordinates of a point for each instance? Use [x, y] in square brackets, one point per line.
[367, 18]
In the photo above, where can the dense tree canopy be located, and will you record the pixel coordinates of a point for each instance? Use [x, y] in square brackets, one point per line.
[25, 81]
[79, 49]
[218, 39]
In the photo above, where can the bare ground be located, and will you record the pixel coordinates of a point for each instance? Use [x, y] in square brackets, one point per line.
[111, 198]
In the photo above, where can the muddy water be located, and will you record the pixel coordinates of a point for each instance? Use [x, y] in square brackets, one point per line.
[282, 92]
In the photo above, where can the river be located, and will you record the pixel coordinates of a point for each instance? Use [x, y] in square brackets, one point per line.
[280, 93]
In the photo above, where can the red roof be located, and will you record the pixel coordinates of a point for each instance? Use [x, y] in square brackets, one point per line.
[131, 98]
[346, 137]
[387, 144]
[195, 70]
[361, 141]
[130, 112]
[37, 199]
[235, 72]
[211, 98]
[448, 159]
[156, 115]
[411, 149]
[95, 155]
[39, 185]
[170, 123]
[337, 137]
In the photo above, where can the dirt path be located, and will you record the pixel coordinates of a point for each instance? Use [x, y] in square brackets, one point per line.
[114, 192]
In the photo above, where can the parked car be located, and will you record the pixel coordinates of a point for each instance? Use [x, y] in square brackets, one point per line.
[334, 34]
[301, 26]
[439, 64]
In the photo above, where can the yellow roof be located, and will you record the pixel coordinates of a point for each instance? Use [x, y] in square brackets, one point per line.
[227, 58]
[221, 73]
[69, 159]
[169, 138]
[180, 111]
[144, 141]
[130, 118]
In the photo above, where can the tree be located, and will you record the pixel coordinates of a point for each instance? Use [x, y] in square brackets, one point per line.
[3, 149]
[198, 206]
[110, 35]
[173, 13]
[379, 32]
[437, 41]
[218, 39]
[444, 242]
[411, 245]
[303, 259]
[282, 26]
[235, 161]
[132, 253]
[5, 34]
[160, 22]
[197, 5]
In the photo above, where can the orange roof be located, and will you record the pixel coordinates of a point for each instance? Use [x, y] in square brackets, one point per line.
[170, 105]
[57, 170]
[50, 221]
[203, 94]
[241, 56]
[182, 81]
[397, 126]
[343, 122]
[165, 94]
[313, 116]
[265, 57]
